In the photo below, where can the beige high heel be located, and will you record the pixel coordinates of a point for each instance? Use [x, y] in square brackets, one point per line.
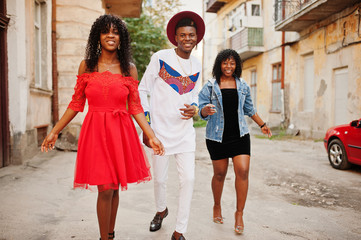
[238, 228]
[218, 220]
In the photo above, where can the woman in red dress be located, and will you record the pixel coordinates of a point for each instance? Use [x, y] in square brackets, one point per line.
[109, 151]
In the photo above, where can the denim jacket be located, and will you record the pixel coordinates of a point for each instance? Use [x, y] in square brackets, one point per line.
[211, 93]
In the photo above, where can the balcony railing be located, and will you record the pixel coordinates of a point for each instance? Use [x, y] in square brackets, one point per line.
[247, 37]
[248, 42]
[287, 8]
[296, 15]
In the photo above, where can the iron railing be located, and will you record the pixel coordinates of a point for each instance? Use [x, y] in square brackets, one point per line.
[248, 37]
[287, 8]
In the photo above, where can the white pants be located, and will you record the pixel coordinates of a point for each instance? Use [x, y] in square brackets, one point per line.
[185, 166]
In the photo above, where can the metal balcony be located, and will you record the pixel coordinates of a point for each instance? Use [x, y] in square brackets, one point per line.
[248, 42]
[296, 15]
[213, 6]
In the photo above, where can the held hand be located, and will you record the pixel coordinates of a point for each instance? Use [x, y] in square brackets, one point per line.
[209, 110]
[266, 130]
[188, 112]
[157, 146]
[49, 142]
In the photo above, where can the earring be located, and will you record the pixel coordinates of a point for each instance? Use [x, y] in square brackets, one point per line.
[120, 43]
[99, 49]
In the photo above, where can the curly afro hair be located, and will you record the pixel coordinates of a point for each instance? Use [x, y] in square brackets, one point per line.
[103, 25]
[222, 56]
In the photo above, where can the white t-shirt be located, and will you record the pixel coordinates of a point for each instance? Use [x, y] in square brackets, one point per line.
[171, 82]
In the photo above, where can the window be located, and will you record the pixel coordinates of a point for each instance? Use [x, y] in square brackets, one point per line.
[254, 87]
[256, 10]
[278, 11]
[276, 88]
[235, 18]
[40, 45]
[37, 43]
[308, 89]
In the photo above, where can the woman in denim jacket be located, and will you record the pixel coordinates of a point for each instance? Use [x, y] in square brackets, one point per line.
[224, 101]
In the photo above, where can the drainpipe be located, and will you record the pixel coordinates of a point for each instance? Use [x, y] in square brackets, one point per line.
[283, 62]
[285, 118]
[55, 102]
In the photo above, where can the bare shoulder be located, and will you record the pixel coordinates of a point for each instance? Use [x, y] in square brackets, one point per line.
[82, 67]
[133, 71]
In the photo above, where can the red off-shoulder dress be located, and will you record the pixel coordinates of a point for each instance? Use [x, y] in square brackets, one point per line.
[109, 150]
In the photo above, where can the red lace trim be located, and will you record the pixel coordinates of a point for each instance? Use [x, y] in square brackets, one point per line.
[106, 79]
[104, 187]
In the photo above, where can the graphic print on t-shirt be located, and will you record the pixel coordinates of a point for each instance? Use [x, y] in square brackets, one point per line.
[180, 84]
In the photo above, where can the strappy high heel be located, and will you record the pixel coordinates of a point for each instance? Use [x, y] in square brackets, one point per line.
[111, 235]
[238, 228]
[218, 220]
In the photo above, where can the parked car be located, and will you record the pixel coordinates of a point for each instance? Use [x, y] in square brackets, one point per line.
[343, 144]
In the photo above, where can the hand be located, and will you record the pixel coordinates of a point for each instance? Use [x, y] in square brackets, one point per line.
[157, 146]
[188, 112]
[208, 110]
[266, 130]
[146, 140]
[49, 142]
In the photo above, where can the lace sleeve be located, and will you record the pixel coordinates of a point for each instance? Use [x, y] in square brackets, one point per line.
[78, 100]
[134, 105]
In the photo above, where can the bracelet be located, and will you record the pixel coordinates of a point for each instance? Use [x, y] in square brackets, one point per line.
[264, 124]
[197, 109]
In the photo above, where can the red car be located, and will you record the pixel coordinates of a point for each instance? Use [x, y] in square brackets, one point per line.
[343, 144]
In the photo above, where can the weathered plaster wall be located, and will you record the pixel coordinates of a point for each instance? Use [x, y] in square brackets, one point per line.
[17, 65]
[334, 45]
[74, 20]
[29, 106]
[263, 65]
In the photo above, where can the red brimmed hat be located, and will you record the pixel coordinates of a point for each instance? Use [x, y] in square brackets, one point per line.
[185, 14]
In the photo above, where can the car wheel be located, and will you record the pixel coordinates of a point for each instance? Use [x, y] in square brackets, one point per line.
[337, 155]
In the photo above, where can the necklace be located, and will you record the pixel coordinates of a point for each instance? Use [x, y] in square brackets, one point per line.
[190, 61]
[107, 65]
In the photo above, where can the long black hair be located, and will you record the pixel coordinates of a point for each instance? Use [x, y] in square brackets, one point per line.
[222, 56]
[103, 25]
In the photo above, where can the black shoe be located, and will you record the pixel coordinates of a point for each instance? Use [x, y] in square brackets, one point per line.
[180, 238]
[156, 223]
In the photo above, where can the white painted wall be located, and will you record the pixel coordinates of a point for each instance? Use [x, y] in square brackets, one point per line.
[17, 66]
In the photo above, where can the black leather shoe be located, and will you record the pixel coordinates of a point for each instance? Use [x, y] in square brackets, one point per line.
[156, 223]
[180, 238]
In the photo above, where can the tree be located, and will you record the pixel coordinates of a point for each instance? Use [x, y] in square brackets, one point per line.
[161, 10]
[148, 32]
[146, 40]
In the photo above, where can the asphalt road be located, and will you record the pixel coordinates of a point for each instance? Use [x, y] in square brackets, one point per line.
[294, 193]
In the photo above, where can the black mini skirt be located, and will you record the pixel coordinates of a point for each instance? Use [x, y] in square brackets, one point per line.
[240, 146]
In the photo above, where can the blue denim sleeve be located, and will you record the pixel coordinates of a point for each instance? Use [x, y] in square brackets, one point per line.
[248, 108]
[204, 99]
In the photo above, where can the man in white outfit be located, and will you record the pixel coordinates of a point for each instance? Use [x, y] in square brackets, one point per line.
[172, 80]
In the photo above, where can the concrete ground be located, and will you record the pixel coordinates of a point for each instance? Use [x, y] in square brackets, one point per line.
[37, 202]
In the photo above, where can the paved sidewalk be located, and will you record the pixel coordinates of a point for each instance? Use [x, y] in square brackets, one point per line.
[37, 202]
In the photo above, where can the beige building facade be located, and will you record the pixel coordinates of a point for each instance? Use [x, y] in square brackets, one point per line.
[42, 44]
[303, 74]
[29, 76]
